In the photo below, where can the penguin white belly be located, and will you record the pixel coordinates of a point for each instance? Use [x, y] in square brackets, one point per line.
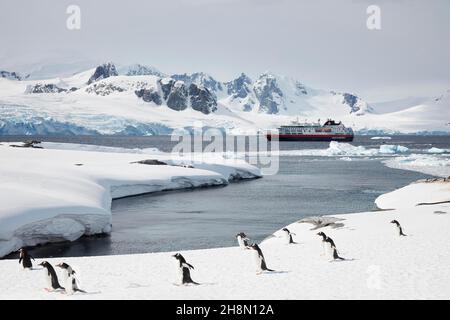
[258, 261]
[328, 250]
[396, 230]
[286, 237]
[180, 275]
[70, 285]
[241, 242]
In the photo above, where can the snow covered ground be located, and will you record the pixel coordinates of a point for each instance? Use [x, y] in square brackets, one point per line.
[53, 194]
[379, 265]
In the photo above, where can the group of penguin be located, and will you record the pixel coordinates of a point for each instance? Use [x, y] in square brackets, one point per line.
[69, 279]
[71, 286]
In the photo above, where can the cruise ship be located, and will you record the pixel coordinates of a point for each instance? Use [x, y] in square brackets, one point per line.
[329, 131]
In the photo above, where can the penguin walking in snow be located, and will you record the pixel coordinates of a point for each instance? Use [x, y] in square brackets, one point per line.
[288, 236]
[51, 277]
[335, 254]
[184, 269]
[25, 259]
[327, 243]
[69, 280]
[242, 240]
[399, 228]
[330, 246]
[259, 259]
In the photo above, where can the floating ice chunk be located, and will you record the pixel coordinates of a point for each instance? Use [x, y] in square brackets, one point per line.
[436, 150]
[381, 138]
[392, 149]
[346, 149]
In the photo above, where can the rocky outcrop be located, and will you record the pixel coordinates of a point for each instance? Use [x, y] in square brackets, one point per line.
[10, 75]
[201, 99]
[239, 87]
[102, 72]
[149, 95]
[141, 70]
[200, 79]
[44, 88]
[103, 89]
[268, 93]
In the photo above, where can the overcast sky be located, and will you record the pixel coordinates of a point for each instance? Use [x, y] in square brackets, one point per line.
[322, 43]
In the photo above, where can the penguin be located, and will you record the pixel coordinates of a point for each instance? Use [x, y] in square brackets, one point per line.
[25, 258]
[329, 245]
[288, 236]
[399, 228]
[259, 259]
[52, 278]
[69, 279]
[184, 269]
[335, 254]
[242, 240]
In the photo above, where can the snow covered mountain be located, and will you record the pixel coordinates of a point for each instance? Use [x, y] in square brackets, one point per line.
[142, 100]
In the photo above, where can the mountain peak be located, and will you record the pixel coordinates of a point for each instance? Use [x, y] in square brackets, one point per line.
[103, 71]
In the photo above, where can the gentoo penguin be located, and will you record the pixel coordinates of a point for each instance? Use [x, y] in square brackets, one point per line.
[259, 259]
[399, 228]
[242, 240]
[288, 236]
[50, 275]
[69, 280]
[327, 242]
[335, 254]
[25, 258]
[184, 269]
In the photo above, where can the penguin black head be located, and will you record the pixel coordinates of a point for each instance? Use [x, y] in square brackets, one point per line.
[321, 234]
[178, 256]
[241, 234]
[45, 264]
[395, 221]
[286, 229]
[63, 265]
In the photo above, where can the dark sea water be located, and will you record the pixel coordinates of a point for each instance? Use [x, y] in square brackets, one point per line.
[207, 218]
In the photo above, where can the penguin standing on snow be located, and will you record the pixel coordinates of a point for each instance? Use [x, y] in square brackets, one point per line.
[288, 236]
[184, 269]
[242, 240]
[399, 228]
[259, 259]
[25, 258]
[52, 278]
[327, 243]
[69, 280]
[330, 246]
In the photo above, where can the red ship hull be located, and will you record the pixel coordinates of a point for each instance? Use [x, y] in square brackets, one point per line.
[311, 137]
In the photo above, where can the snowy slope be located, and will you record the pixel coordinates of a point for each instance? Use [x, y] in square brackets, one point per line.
[141, 100]
[379, 265]
[52, 194]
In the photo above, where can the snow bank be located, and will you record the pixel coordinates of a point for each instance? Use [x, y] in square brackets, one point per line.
[379, 265]
[424, 192]
[50, 195]
[428, 164]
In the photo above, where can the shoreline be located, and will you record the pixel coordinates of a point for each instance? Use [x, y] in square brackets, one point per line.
[378, 263]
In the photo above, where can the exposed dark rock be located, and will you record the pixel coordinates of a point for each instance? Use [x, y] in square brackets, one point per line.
[201, 99]
[177, 98]
[102, 72]
[103, 89]
[149, 95]
[268, 94]
[45, 88]
[10, 75]
[152, 162]
[239, 87]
